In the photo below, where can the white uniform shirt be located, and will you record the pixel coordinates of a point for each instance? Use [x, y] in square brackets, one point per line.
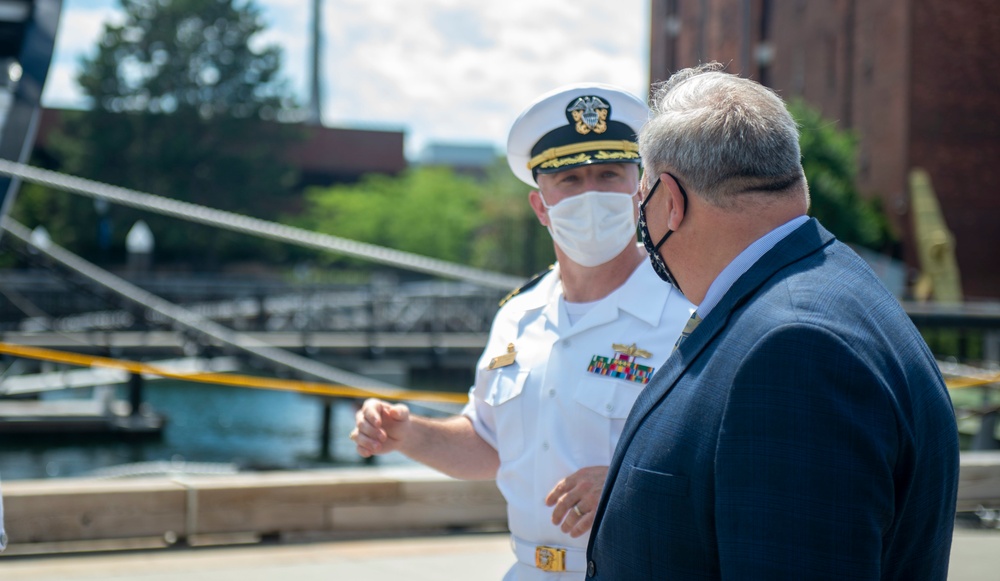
[545, 413]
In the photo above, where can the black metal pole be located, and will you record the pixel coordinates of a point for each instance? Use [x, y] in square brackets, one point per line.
[326, 430]
[135, 382]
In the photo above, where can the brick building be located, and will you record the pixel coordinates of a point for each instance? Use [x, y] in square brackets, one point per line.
[326, 156]
[917, 80]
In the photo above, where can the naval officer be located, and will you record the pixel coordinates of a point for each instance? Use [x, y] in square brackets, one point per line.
[570, 352]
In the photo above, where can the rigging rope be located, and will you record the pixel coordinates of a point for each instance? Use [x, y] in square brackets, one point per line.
[194, 322]
[257, 227]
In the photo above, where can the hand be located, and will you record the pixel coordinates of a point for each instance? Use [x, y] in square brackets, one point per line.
[380, 427]
[575, 499]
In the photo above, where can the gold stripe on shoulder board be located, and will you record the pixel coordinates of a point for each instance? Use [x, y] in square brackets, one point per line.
[527, 285]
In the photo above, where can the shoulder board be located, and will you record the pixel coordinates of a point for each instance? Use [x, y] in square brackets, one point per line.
[531, 282]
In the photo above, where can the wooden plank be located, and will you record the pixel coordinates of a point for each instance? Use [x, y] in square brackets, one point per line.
[203, 507]
[979, 481]
[441, 504]
[362, 500]
[74, 509]
[279, 502]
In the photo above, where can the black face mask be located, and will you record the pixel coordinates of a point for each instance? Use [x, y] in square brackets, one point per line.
[659, 265]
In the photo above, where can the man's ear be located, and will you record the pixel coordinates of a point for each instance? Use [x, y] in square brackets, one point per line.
[678, 208]
[535, 199]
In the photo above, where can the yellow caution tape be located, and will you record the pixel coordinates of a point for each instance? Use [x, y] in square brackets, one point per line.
[312, 388]
[964, 382]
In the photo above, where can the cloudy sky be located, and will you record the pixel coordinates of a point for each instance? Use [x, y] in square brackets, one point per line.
[440, 70]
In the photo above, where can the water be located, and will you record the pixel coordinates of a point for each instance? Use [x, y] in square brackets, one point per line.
[237, 428]
[249, 429]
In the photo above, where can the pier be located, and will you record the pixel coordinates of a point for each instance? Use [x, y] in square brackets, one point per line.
[88, 514]
[377, 524]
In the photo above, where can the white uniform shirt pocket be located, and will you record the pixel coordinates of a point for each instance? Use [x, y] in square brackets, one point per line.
[608, 402]
[501, 390]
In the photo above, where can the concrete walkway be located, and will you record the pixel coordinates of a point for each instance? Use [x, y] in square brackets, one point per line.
[437, 558]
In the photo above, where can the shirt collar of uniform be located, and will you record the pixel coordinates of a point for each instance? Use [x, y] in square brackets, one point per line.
[646, 298]
[643, 295]
[743, 262]
[549, 288]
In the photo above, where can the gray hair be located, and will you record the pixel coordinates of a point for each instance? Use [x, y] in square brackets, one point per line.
[722, 135]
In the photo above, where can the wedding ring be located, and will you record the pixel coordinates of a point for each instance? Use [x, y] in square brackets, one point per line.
[576, 509]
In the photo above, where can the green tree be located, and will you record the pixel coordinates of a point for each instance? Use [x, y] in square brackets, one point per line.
[510, 240]
[429, 211]
[184, 104]
[828, 158]
[434, 212]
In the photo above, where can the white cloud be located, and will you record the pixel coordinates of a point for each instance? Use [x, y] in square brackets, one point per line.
[395, 60]
[442, 70]
[80, 26]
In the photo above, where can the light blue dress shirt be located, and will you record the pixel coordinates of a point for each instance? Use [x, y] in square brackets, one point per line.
[742, 263]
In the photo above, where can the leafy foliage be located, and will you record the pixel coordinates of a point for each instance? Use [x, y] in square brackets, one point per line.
[828, 158]
[435, 212]
[510, 239]
[185, 105]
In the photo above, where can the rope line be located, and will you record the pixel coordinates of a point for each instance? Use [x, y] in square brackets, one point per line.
[186, 319]
[257, 227]
[230, 379]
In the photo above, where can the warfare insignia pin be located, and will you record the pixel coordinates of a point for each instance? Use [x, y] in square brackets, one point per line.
[623, 364]
[631, 350]
[505, 359]
[589, 113]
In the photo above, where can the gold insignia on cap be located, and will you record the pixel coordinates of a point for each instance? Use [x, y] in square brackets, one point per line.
[589, 113]
[602, 155]
[558, 156]
[631, 350]
[505, 359]
[576, 159]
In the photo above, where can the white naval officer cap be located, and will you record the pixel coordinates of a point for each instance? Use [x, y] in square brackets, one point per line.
[575, 125]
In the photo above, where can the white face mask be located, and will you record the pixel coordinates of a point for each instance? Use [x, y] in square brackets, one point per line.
[593, 227]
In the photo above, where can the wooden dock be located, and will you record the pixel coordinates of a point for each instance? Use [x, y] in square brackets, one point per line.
[88, 514]
[75, 417]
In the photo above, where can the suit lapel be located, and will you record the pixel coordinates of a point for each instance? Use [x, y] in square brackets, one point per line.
[803, 241]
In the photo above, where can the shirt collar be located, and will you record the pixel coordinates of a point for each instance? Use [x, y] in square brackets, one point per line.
[643, 295]
[646, 298]
[743, 262]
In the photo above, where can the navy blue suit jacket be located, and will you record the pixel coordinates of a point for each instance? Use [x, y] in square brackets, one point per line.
[802, 431]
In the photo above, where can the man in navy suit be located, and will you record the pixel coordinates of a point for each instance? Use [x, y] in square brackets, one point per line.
[801, 429]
